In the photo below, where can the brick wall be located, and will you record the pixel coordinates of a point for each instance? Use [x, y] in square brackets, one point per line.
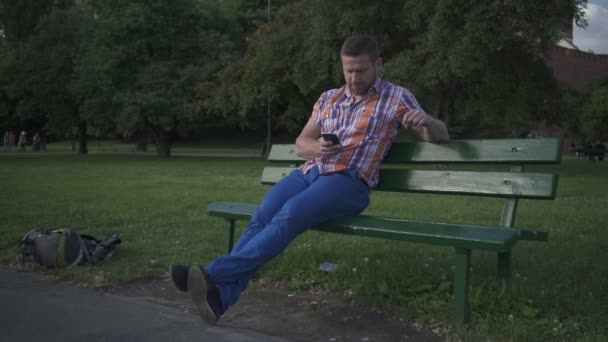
[573, 68]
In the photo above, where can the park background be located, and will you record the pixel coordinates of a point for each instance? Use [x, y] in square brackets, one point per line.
[144, 104]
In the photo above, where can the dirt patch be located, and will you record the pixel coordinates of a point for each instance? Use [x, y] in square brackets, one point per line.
[272, 309]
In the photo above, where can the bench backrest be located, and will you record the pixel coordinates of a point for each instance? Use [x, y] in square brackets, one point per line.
[511, 185]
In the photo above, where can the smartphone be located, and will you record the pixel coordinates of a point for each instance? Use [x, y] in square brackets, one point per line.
[331, 137]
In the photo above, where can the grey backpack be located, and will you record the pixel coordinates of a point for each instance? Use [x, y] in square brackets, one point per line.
[64, 247]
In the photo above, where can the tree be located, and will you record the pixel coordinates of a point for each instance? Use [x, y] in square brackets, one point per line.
[147, 62]
[46, 70]
[593, 110]
[506, 98]
[446, 51]
[295, 57]
[463, 48]
[8, 99]
[20, 19]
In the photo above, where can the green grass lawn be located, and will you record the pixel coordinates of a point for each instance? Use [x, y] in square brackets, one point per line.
[559, 289]
[241, 145]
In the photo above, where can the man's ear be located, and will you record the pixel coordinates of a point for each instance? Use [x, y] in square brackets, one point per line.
[379, 63]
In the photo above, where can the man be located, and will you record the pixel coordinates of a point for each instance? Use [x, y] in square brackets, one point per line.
[365, 115]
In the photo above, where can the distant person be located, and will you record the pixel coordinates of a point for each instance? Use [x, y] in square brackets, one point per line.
[22, 141]
[36, 143]
[12, 140]
[588, 150]
[579, 151]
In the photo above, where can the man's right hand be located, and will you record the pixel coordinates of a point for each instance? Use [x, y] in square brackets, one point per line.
[310, 145]
[329, 149]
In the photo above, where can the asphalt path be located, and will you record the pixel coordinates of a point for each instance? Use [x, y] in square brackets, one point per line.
[38, 309]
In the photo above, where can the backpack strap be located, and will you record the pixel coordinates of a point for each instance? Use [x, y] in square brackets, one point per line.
[81, 253]
[104, 249]
[36, 231]
[90, 243]
[74, 249]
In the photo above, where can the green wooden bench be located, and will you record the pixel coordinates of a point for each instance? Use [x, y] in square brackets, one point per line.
[511, 185]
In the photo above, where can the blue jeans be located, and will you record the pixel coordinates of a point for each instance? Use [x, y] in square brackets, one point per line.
[293, 205]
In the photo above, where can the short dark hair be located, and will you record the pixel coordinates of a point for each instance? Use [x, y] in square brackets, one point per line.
[359, 45]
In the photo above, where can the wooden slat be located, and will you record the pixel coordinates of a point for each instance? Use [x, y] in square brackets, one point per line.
[272, 175]
[495, 184]
[508, 151]
[284, 153]
[457, 235]
[232, 210]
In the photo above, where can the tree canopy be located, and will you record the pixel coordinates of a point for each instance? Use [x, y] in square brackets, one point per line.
[44, 82]
[462, 59]
[171, 67]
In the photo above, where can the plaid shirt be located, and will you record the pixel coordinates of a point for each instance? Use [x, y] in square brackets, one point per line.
[366, 128]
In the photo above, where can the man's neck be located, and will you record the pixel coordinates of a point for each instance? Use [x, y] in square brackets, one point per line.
[357, 98]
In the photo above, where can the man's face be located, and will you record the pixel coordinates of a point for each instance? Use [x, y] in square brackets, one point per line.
[360, 73]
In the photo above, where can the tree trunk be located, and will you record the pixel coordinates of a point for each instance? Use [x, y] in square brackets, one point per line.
[82, 137]
[454, 92]
[163, 143]
[141, 141]
[442, 94]
[450, 107]
[446, 100]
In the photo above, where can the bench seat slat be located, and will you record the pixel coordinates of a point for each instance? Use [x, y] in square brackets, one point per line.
[456, 235]
[284, 153]
[497, 184]
[504, 151]
[272, 175]
[232, 210]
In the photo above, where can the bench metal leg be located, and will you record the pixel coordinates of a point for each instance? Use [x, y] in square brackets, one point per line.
[504, 268]
[230, 236]
[462, 310]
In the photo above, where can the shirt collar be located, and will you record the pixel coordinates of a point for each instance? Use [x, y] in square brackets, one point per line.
[377, 87]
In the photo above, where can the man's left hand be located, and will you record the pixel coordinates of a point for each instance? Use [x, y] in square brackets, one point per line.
[416, 118]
